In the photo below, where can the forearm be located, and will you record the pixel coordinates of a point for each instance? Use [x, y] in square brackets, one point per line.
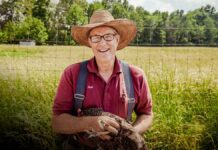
[142, 123]
[68, 124]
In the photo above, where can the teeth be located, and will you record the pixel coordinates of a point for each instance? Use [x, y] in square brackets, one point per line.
[103, 50]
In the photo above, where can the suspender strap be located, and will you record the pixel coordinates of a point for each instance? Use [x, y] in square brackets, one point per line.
[79, 96]
[129, 89]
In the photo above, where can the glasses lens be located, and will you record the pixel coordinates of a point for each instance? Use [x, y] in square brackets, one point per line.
[95, 38]
[108, 37]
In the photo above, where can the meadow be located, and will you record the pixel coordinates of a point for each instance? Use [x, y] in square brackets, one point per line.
[183, 82]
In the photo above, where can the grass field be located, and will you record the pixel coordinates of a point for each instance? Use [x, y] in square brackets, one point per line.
[183, 82]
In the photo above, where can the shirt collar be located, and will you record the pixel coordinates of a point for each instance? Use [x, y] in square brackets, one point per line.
[93, 68]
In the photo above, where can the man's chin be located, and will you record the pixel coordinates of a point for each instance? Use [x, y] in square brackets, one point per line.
[105, 58]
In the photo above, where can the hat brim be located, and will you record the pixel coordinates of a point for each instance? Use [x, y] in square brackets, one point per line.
[125, 28]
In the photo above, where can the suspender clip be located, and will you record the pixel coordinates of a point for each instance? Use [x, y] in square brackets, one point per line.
[131, 100]
[79, 96]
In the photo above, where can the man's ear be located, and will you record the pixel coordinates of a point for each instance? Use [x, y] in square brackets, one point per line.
[90, 43]
[118, 38]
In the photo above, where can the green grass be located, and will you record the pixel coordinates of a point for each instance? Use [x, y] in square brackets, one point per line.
[21, 51]
[25, 113]
[183, 82]
[185, 114]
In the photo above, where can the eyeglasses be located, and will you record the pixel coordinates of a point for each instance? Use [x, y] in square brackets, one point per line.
[106, 37]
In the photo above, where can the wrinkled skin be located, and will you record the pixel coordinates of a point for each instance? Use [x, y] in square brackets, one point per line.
[127, 138]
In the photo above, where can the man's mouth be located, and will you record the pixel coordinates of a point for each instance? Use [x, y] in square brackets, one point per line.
[103, 51]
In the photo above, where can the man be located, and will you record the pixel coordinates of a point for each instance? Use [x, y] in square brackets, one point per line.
[105, 35]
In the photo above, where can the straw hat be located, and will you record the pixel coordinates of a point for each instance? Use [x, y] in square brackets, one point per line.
[125, 28]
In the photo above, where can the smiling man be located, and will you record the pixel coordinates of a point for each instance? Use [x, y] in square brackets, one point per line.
[103, 82]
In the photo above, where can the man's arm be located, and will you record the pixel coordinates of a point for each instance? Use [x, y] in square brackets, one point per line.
[68, 124]
[143, 122]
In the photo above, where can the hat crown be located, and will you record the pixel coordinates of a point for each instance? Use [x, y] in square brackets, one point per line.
[101, 16]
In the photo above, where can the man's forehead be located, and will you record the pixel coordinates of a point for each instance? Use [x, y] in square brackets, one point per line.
[102, 29]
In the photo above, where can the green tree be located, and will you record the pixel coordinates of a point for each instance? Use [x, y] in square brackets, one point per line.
[9, 32]
[197, 35]
[138, 19]
[150, 22]
[203, 26]
[125, 4]
[82, 3]
[186, 27]
[63, 19]
[215, 18]
[118, 11]
[15, 10]
[158, 28]
[138, 15]
[23, 8]
[173, 26]
[6, 12]
[140, 10]
[76, 15]
[159, 35]
[33, 29]
[41, 10]
[94, 6]
[131, 8]
[108, 4]
[2, 37]
[210, 10]
[67, 4]
[210, 30]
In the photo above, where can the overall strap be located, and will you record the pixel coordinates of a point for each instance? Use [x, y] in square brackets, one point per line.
[79, 96]
[129, 89]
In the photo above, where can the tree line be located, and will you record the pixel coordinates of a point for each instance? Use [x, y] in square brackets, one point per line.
[50, 23]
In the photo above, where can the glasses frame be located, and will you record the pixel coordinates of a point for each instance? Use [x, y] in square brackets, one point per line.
[102, 36]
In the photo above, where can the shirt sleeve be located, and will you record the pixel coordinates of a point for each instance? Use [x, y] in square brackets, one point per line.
[142, 93]
[63, 100]
[144, 105]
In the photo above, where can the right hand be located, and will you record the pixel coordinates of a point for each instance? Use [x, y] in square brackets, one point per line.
[106, 124]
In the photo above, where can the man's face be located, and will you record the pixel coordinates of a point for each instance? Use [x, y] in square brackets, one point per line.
[104, 42]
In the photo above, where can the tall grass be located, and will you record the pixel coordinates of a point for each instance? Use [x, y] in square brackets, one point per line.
[185, 114]
[25, 121]
[185, 95]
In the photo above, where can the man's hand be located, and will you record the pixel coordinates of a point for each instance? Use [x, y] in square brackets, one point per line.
[101, 126]
[105, 126]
